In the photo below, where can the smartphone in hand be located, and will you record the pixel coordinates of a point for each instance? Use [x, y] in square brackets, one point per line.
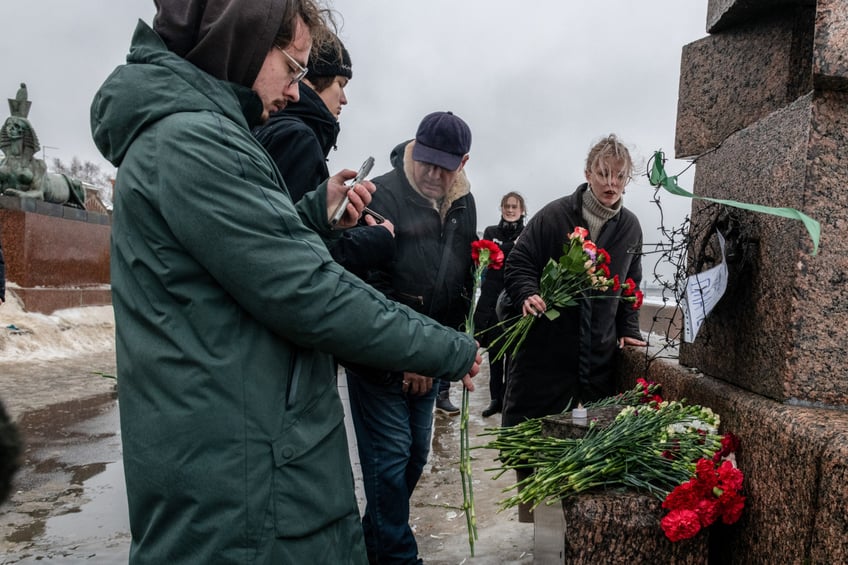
[360, 176]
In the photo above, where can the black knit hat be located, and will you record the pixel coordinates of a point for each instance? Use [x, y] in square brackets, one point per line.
[327, 62]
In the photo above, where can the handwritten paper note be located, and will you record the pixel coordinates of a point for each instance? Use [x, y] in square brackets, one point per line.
[703, 291]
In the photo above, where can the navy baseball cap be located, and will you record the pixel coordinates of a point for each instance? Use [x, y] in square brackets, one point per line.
[443, 139]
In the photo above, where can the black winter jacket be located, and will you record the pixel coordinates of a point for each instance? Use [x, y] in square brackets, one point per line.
[573, 357]
[431, 268]
[299, 138]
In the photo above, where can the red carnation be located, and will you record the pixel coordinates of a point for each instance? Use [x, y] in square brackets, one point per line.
[640, 297]
[730, 506]
[706, 473]
[730, 477]
[496, 255]
[616, 283]
[729, 444]
[604, 257]
[708, 510]
[683, 496]
[629, 287]
[647, 397]
[681, 524]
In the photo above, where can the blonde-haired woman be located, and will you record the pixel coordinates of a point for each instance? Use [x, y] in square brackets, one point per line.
[572, 359]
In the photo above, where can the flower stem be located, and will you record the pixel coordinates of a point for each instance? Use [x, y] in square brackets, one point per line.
[465, 473]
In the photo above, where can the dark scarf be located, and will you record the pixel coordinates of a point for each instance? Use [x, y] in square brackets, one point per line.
[312, 111]
[511, 229]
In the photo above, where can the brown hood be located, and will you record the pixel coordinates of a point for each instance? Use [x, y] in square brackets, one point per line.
[228, 39]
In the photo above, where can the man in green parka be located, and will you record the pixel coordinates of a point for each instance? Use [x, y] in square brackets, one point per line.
[228, 306]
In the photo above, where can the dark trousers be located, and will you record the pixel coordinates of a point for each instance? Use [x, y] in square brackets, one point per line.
[393, 434]
[496, 378]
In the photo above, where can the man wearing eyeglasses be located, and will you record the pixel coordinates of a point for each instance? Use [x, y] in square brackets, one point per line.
[228, 306]
[299, 139]
[300, 136]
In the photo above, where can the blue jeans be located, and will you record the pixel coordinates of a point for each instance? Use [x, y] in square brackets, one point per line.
[393, 433]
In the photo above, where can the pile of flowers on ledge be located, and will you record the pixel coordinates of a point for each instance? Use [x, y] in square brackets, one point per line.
[670, 449]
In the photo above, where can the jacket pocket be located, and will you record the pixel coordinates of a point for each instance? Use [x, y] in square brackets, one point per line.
[312, 483]
[310, 374]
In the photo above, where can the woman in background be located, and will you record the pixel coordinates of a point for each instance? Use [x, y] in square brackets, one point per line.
[505, 233]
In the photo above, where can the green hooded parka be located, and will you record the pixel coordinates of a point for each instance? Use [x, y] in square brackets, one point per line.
[228, 310]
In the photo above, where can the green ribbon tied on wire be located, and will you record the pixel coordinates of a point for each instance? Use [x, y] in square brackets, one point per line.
[658, 177]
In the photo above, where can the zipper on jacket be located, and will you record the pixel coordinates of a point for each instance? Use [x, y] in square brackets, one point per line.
[419, 300]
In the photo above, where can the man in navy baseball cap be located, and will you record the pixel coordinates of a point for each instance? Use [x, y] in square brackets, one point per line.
[442, 139]
[427, 195]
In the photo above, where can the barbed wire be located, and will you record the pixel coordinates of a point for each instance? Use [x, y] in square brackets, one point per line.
[671, 267]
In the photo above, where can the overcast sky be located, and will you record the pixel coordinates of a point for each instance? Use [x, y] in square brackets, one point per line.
[538, 82]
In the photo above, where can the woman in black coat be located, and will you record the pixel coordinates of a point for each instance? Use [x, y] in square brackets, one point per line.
[513, 212]
[572, 359]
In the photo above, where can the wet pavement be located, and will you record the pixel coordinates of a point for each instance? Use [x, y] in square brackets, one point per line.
[68, 503]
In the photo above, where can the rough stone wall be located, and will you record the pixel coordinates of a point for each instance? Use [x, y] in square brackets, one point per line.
[728, 81]
[763, 102]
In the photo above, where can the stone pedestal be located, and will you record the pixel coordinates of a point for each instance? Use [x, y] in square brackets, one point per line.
[764, 102]
[612, 526]
[56, 256]
[624, 527]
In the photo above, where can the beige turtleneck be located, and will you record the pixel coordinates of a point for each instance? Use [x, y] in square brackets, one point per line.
[596, 214]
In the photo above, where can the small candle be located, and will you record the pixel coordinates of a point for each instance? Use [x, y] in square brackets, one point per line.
[578, 413]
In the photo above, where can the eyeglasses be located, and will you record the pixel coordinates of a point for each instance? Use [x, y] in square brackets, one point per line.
[300, 71]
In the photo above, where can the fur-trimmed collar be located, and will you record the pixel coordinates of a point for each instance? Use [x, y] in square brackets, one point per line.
[461, 186]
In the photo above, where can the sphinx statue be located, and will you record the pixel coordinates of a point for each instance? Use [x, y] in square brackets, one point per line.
[21, 173]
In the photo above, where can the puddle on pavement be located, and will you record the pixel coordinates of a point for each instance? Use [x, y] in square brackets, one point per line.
[67, 509]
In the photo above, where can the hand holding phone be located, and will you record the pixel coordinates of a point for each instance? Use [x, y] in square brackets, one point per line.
[360, 176]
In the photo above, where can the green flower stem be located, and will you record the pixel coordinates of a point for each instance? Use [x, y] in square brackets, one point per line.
[464, 443]
[465, 472]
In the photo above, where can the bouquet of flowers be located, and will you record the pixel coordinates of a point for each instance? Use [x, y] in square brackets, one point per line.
[711, 494]
[581, 273]
[670, 449]
[486, 255]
